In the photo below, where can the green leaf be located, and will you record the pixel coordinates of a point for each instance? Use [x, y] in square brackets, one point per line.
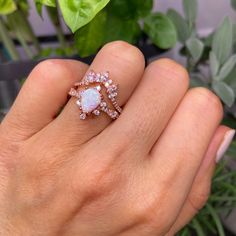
[23, 6]
[231, 80]
[198, 227]
[7, 7]
[90, 37]
[225, 92]
[39, 8]
[117, 29]
[181, 25]
[233, 4]
[39, 5]
[223, 41]
[214, 64]
[78, 13]
[161, 30]
[195, 47]
[216, 219]
[49, 3]
[208, 40]
[132, 9]
[190, 10]
[197, 81]
[227, 67]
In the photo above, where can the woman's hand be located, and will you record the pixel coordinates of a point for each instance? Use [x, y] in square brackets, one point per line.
[146, 174]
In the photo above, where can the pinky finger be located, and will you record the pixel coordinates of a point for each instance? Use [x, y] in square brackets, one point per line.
[200, 190]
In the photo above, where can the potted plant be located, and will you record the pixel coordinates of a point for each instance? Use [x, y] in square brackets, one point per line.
[209, 60]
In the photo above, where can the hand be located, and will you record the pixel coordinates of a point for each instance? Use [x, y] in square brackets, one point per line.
[146, 174]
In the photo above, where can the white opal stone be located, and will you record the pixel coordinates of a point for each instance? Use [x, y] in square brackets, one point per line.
[90, 100]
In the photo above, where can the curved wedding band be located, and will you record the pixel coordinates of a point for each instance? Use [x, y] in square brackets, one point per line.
[90, 99]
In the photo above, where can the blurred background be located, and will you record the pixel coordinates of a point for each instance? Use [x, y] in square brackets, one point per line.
[212, 12]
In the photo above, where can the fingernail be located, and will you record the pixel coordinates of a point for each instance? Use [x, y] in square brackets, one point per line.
[228, 138]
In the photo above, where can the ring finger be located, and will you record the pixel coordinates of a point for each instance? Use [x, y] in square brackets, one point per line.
[125, 64]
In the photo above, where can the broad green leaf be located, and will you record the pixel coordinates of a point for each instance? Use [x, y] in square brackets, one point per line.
[39, 5]
[90, 37]
[214, 64]
[127, 30]
[181, 25]
[161, 30]
[50, 3]
[225, 92]
[233, 4]
[223, 40]
[7, 7]
[227, 67]
[78, 13]
[131, 9]
[190, 10]
[195, 47]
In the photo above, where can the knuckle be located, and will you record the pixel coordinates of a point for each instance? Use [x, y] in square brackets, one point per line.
[197, 199]
[204, 97]
[124, 51]
[57, 68]
[170, 69]
[99, 181]
[149, 212]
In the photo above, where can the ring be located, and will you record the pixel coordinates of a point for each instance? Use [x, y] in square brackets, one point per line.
[90, 98]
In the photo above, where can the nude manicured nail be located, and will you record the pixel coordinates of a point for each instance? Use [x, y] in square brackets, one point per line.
[228, 138]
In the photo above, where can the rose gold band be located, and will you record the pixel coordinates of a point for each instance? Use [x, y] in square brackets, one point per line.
[90, 98]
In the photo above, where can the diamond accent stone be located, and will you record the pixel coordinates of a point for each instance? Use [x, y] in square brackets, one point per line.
[90, 100]
[96, 112]
[107, 84]
[103, 104]
[78, 103]
[82, 116]
[90, 78]
[99, 88]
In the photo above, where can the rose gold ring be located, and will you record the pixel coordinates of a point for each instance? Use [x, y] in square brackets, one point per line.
[90, 95]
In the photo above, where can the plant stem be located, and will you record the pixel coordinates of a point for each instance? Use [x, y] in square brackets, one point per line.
[24, 45]
[60, 36]
[53, 15]
[18, 27]
[8, 42]
[30, 31]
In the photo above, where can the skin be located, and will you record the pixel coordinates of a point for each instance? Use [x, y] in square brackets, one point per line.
[147, 174]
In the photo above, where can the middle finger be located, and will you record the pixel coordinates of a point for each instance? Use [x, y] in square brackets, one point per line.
[151, 106]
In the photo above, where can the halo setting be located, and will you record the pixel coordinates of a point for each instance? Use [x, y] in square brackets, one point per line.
[90, 100]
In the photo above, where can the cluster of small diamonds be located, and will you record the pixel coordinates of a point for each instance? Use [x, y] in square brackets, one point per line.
[111, 89]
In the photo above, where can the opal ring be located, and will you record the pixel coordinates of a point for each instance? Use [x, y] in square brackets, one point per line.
[91, 95]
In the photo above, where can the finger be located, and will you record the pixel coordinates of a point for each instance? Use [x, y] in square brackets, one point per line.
[178, 154]
[42, 96]
[151, 106]
[200, 190]
[125, 64]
